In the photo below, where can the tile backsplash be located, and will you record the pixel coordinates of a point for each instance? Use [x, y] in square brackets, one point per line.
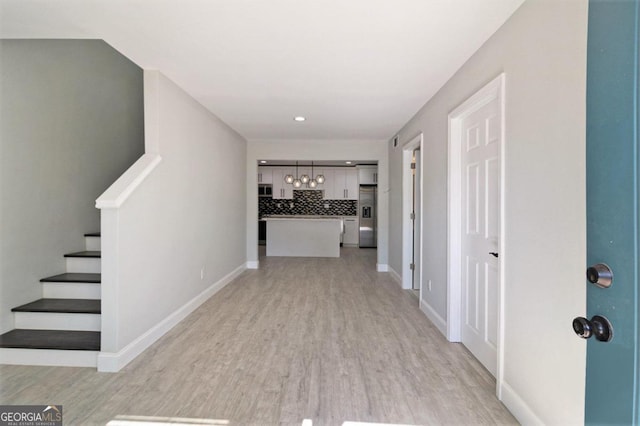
[307, 202]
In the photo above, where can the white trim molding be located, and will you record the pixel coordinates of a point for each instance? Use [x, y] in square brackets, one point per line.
[113, 362]
[516, 405]
[126, 184]
[396, 276]
[490, 92]
[253, 264]
[382, 267]
[434, 317]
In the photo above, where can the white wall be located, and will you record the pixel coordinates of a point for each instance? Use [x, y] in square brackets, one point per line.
[188, 214]
[317, 150]
[71, 123]
[542, 50]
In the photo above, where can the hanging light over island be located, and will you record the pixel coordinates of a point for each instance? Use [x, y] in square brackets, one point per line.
[310, 181]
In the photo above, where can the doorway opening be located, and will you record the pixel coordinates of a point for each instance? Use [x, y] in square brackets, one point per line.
[313, 192]
[416, 213]
[412, 215]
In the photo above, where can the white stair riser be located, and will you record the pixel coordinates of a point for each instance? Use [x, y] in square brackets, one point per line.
[80, 264]
[71, 291]
[55, 357]
[57, 321]
[92, 243]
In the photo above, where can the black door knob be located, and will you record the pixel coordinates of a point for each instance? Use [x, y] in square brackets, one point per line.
[583, 327]
[602, 329]
[598, 326]
[493, 253]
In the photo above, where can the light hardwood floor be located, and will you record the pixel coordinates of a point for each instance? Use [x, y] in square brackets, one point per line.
[329, 340]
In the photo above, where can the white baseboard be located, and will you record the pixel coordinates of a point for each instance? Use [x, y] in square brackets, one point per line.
[397, 278]
[516, 405]
[48, 357]
[113, 362]
[433, 316]
[253, 264]
[382, 267]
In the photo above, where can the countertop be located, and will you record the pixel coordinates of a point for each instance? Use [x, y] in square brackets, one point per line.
[301, 216]
[304, 218]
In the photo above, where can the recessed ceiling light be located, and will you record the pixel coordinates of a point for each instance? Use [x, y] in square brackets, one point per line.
[347, 162]
[299, 118]
[263, 161]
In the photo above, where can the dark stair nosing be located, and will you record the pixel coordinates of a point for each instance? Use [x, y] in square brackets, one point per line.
[74, 277]
[92, 234]
[51, 339]
[66, 306]
[85, 254]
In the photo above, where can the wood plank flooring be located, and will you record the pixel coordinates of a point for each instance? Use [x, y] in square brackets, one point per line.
[329, 340]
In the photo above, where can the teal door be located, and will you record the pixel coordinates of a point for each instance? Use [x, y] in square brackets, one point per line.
[612, 208]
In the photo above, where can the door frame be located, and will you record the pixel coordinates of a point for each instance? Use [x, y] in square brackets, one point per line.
[493, 90]
[407, 204]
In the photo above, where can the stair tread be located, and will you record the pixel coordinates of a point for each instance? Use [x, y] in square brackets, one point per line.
[75, 306]
[51, 339]
[85, 253]
[73, 277]
[92, 234]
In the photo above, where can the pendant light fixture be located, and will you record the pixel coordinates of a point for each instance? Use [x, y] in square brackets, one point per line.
[312, 183]
[297, 183]
[305, 178]
[288, 178]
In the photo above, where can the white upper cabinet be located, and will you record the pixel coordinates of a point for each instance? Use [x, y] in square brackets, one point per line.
[282, 190]
[345, 184]
[340, 183]
[327, 186]
[368, 175]
[351, 184]
[265, 174]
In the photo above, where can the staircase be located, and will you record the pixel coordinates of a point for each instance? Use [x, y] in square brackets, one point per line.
[62, 328]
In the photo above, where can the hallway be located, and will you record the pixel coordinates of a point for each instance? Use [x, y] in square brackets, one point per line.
[319, 338]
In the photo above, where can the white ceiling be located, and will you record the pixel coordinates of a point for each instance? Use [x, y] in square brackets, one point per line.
[357, 69]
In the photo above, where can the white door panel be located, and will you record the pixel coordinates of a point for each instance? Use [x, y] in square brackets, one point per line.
[480, 234]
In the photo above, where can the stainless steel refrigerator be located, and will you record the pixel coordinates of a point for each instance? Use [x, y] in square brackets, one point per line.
[367, 204]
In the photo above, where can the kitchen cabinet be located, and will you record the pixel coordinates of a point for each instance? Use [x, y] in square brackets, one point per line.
[282, 190]
[327, 186]
[265, 175]
[368, 175]
[303, 236]
[345, 184]
[351, 231]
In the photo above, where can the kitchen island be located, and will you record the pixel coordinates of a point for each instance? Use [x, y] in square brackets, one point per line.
[304, 236]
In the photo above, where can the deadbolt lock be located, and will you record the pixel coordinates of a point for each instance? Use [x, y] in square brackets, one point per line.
[600, 274]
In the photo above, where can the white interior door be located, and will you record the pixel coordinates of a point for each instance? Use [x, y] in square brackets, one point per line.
[416, 221]
[481, 133]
